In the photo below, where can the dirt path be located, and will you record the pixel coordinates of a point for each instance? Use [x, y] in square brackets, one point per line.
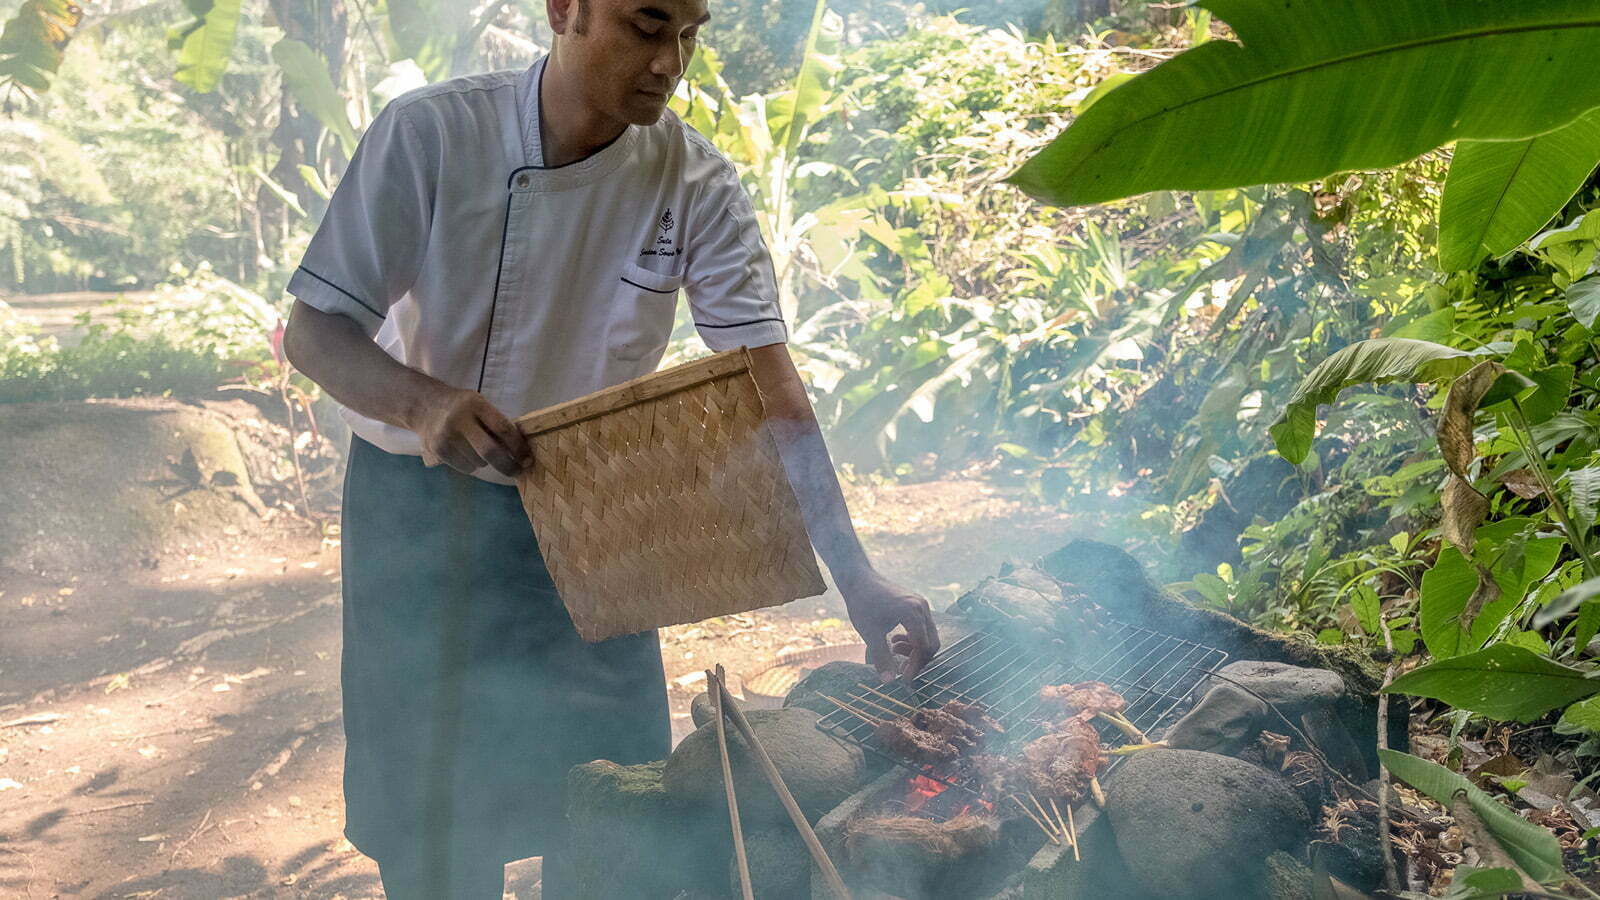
[58, 314]
[175, 733]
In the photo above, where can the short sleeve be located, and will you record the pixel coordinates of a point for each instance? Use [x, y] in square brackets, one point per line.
[368, 249]
[728, 276]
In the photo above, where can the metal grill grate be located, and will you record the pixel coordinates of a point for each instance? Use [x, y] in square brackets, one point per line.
[1154, 672]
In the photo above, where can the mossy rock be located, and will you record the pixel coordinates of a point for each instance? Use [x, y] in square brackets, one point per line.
[107, 484]
[630, 838]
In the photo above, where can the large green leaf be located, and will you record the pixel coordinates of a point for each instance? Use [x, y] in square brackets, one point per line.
[1502, 682]
[1449, 623]
[1368, 362]
[305, 73]
[1500, 193]
[1327, 86]
[790, 113]
[1534, 849]
[33, 41]
[1583, 298]
[205, 47]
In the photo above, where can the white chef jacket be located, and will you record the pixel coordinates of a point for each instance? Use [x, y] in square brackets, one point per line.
[466, 258]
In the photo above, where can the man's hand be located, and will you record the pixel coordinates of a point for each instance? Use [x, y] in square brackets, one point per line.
[877, 605]
[464, 431]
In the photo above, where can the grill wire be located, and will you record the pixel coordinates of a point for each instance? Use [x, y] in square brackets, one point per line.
[1154, 672]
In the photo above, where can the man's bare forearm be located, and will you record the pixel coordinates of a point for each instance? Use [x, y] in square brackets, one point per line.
[808, 464]
[333, 351]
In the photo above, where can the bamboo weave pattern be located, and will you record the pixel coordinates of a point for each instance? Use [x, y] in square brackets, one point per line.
[669, 509]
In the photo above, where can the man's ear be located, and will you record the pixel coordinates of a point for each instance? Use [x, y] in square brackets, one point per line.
[563, 14]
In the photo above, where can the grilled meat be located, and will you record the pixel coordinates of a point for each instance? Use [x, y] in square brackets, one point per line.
[938, 735]
[1058, 764]
[1088, 697]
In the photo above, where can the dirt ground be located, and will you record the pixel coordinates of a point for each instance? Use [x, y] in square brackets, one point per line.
[174, 733]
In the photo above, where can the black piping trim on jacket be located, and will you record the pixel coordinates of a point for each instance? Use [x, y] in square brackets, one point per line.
[735, 324]
[363, 304]
[538, 90]
[505, 230]
[650, 289]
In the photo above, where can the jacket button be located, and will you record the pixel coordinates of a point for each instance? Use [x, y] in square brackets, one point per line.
[522, 181]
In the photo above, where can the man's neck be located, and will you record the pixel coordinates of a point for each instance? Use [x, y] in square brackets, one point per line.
[569, 129]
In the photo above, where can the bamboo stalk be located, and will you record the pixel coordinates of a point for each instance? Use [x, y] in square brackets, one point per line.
[733, 802]
[1048, 831]
[830, 874]
[873, 720]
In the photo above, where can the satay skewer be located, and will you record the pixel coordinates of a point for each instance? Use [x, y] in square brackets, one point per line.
[1073, 830]
[881, 708]
[894, 700]
[1040, 806]
[1048, 831]
[872, 720]
[1098, 793]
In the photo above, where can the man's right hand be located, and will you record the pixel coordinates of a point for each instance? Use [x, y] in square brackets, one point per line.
[464, 431]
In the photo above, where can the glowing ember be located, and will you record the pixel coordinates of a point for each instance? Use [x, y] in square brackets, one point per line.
[921, 789]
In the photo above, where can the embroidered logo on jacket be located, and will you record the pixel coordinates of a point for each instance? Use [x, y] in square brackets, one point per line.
[664, 245]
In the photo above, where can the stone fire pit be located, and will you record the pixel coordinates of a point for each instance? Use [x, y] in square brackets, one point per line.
[1234, 808]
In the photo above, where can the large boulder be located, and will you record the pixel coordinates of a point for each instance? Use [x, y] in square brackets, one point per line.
[1294, 690]
[820, 770]
[835, 679]
[780, 864]
[101, 485]
[630, 838]
[1225, 721]
[1199, 825]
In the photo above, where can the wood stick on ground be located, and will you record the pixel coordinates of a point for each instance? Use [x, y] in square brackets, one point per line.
[727, 783]
[873, 720]
[1391, 875]
[830, 875]
[101, 809]
[894, 700]
[1048, 831]
[1074, 832]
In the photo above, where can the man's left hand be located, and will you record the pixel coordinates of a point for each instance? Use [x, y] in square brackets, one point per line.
[877, 605]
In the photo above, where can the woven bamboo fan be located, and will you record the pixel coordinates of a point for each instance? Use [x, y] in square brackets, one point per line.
[662, 501]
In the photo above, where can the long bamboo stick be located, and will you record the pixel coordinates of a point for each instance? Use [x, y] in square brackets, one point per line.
[1048, 831]
[818, 855]
[891, 699]
[860, 714]
[1073, 830]
[733, 802]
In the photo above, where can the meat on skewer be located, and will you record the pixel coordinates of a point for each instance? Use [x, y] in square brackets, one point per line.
[1059, 764]
[937, 735]
[1085, 696]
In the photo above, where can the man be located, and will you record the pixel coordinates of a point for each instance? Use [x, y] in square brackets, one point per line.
[501, 243]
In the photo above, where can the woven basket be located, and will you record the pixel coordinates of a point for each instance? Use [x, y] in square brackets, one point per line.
[663, 500]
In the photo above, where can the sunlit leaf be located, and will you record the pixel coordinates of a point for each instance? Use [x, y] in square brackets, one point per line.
[34, 40]
[1297, 98]
[1500, 193]
[1502, 682]
[305, 73]
[205, 47]
[1367, 362]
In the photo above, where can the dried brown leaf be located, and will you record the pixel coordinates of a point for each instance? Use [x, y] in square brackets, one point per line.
[1523, 483]
[1464, 510]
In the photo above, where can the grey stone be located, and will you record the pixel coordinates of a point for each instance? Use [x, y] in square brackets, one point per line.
[1200, 825]
[1032, 578]
[835, 679]
[1294, 690]
[1287, 878]
[780, 865]
[629, 838]
[819, 769]
[1225, 721]
[700, 710]
[1328, 732]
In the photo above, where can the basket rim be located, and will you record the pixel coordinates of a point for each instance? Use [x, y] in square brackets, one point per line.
[638, 390]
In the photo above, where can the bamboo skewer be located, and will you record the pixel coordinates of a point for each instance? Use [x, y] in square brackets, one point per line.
[871, 720]
[1073, 830]
[1097, 791]
[880, 707]
[1046, 816]
[1048, 831]
[893, 700]
[829, 874]
[733, 803]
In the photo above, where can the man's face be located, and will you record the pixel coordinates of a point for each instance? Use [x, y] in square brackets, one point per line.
[629, 54]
